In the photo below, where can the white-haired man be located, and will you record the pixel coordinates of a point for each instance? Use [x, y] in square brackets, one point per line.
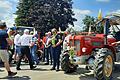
[25, 50]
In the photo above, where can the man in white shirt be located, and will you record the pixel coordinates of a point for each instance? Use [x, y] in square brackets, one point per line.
[25, 50]
[48, 48]
[17, 47]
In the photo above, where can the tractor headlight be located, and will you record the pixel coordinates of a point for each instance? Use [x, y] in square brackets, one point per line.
[84, 49]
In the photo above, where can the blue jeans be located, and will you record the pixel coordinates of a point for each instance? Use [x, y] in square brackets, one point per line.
[48, 54]
[17, 50]
[33, 50]
[56, 57]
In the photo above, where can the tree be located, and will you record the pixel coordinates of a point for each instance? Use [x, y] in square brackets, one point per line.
[48, 14]
[23, 10]
[88, 21]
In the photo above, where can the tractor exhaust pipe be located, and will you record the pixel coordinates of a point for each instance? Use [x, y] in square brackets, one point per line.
[106, 30]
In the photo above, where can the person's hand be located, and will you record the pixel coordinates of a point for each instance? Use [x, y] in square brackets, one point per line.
[114, 43]
[54, 46]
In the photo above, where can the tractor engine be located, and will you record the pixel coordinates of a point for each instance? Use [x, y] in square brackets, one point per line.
[82, 48]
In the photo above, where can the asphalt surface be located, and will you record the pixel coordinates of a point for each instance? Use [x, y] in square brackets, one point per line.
[43, 72]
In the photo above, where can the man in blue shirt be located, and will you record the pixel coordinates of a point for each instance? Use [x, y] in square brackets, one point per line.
[4, 42]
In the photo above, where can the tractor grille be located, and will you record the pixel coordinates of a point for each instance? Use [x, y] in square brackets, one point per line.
[77, 45]
[71, 42]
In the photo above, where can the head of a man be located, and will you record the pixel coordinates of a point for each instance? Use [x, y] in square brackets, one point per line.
[12, 30]
[46, 34]
[54, 31]
[3, 25]
[26, 31]
[49, 34]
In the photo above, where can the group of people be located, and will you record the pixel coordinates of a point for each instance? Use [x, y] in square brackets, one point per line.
[29, 46]
[52, 48]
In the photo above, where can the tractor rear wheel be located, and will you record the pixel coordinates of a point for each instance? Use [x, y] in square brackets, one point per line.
[66, 65]
[103, 64]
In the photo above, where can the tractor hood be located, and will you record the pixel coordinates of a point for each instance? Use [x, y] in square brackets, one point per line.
[88, 43]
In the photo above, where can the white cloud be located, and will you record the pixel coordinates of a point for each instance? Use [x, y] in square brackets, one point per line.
[84, 12]
[5, 4]
[80, 15]
[6, 11]
[117, 11]
[103, 0]
[10, 20]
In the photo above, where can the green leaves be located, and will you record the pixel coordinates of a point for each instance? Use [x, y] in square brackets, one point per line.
[45, 14]
[88, 21]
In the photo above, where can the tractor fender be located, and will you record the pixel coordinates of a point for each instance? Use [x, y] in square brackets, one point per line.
[113, 50]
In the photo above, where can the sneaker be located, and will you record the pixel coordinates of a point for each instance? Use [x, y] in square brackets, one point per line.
[57, 70]
[46, 64]
[33, 67]
[52, 69]
[12, 73]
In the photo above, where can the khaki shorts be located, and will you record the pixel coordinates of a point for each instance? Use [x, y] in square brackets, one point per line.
[4, 55]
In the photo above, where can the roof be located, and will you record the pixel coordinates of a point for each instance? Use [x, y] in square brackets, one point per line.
[114, 19]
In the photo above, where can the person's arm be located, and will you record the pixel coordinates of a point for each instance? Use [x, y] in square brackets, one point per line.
[10, 42]
[43, 42]
[59, 41]
[118, 42]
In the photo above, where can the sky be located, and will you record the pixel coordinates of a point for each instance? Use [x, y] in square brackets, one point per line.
[92, 7]
[80, 8]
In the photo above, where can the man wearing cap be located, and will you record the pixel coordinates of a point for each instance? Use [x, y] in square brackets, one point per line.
[56, 49]
[25, 43]
[4, 41]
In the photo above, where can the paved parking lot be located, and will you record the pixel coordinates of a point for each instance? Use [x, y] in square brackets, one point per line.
[42, 72]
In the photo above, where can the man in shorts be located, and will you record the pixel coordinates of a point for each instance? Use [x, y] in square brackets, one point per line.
[4, 41]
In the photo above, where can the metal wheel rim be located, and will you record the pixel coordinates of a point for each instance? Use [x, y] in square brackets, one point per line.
[108, 66]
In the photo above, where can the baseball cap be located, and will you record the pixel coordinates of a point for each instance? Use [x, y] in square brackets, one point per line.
[2, 24]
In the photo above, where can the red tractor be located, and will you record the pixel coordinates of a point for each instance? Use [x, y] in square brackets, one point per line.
[96, 52]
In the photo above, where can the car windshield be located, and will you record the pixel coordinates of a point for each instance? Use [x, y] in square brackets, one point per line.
[21, 29]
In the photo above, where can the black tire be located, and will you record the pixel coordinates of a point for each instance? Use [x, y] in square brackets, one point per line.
[66, 66]
[99, 70]
[65, 62]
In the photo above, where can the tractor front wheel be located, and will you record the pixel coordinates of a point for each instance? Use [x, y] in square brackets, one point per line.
[66, 65]
[103, 64]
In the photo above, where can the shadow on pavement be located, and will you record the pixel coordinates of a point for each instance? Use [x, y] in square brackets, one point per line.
[88, 75]
[16, 78]
[36, 69]
[115, 76]
[79, 71]
[39, 69]
[116, 72]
